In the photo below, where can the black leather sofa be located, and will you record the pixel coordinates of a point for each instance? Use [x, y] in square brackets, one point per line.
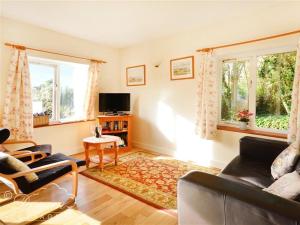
[235, 197]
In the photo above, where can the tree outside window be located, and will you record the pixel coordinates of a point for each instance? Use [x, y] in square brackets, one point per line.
[58, 88]
[273, 91]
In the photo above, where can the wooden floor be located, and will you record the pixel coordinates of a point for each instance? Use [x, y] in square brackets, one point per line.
[106, 205]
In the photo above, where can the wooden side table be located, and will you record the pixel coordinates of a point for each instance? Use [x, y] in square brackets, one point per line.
[98, 143]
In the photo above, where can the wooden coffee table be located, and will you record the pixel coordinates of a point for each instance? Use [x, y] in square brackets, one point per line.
[99, 144]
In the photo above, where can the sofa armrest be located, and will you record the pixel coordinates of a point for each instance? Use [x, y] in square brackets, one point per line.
[260, 148]
[208, 199]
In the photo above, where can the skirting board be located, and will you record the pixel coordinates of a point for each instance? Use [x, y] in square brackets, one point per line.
[162, 150]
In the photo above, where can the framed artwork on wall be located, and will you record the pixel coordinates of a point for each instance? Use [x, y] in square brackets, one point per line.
[182, 68]
[136, 75]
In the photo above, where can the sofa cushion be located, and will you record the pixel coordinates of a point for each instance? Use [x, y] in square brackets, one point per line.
[256, 173]
[285, 161]
[287, 186]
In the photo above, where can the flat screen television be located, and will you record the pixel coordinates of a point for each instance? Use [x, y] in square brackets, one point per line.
[114, 102]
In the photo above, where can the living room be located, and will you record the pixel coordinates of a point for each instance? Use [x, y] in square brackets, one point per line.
[151, 38]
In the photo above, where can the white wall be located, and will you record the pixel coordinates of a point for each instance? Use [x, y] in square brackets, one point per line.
[165, 111]
[64, 138]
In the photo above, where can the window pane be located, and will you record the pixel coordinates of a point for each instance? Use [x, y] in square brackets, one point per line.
[42, 81]
[235, 88]
[73, 83]
[275, 74]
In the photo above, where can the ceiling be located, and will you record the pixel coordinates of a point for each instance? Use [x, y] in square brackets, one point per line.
[124, 23]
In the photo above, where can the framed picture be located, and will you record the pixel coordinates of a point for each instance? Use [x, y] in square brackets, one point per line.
[136, 75]
[182, 68]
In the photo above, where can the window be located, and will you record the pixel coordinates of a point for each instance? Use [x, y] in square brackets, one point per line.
[58, 88]
[42, 81]
[275, 75]
[235, 76]
[261, 83]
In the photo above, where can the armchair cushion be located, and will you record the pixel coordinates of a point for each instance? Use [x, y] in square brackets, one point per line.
[50, 175]
[18, 166]
[285, 161]
[287, 186]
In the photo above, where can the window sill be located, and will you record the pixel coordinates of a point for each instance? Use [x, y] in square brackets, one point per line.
[62, 123]
[250, 131]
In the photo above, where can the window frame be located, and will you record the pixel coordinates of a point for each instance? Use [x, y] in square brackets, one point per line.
[252, 57]
[221, 61]
[56, 89]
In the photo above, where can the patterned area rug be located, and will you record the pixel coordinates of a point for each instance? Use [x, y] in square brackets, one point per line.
[147, 177]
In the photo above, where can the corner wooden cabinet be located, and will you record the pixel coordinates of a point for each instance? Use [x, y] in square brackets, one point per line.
[118, 126]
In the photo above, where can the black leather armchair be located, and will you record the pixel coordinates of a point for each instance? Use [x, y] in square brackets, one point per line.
[235, 197]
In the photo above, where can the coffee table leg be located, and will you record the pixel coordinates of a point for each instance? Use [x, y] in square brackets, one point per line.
[100, 155]
[116, 147]
[86, 152]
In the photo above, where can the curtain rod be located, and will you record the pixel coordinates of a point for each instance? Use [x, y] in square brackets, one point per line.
[56, 53]
[248, 42]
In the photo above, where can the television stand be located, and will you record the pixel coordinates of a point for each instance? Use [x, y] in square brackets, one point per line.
[116, 114]
[118, 125]
[110, 114]
[122, 114]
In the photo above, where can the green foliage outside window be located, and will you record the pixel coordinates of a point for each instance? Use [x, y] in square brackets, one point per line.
[276, 122]
[44, 94]
[274, 82]
[275, 77]
[234, 89]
